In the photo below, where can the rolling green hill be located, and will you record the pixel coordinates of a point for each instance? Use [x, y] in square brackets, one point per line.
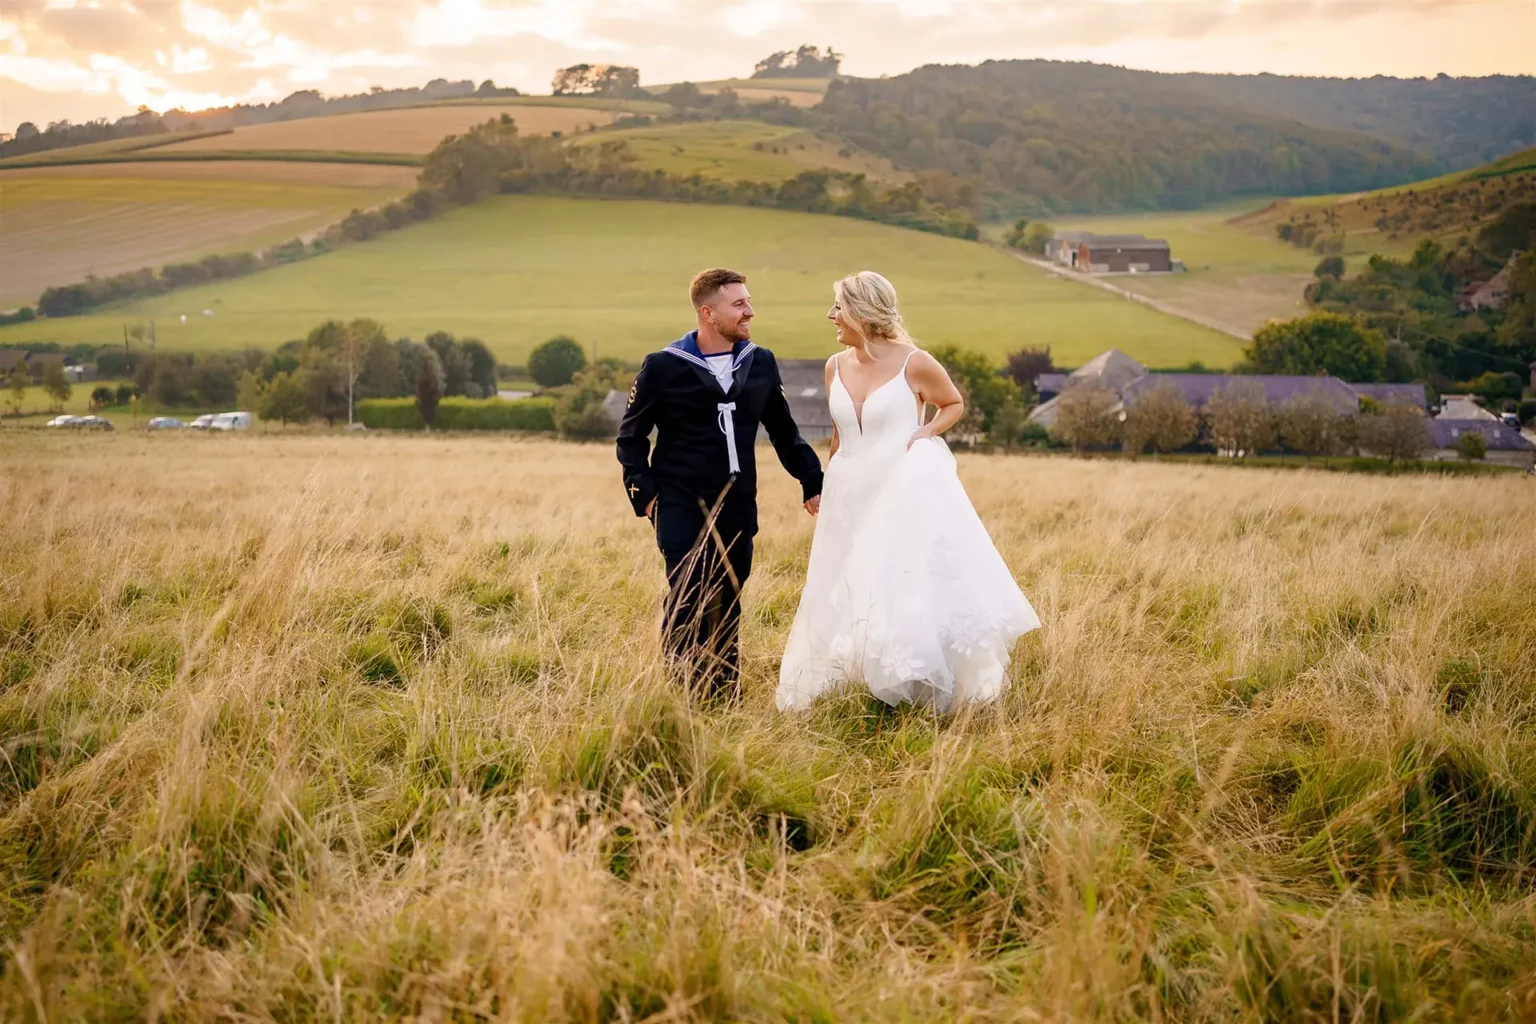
[1394, 220]
[742, 150]
[515, 271]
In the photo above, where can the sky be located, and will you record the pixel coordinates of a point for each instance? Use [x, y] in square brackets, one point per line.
[79, 59]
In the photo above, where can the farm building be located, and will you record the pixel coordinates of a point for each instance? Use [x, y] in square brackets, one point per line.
[1124, 254]
[1127, 378]
[1462, 407]
[1110, 254]
[1489, 294]
[1394, 394]
[36, 362]
[1063, 248]
[1505, 443]
[805, 385]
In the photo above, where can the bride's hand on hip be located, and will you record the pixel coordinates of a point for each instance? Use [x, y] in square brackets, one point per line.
[920, 434]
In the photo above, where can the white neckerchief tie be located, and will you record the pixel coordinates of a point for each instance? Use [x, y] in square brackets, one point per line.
[728, 427]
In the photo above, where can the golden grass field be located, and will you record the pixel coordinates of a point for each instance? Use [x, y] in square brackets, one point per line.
[60, 223]
[405, 130]
[371, 728]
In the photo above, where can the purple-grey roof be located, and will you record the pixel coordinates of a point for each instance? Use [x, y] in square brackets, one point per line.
[1199, 387]
[1394, 394]
[1124, 242]
[1051, 383]
[1500, 436]
[805, 386]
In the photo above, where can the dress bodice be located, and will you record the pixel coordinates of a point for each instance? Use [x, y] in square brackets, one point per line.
[884, 423]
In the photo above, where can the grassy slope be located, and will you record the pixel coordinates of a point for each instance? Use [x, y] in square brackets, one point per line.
[614, 275]
[370, 728]
[414, 130]
[742, 150]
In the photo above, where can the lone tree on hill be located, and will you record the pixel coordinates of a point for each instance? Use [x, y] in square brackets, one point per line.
[56, 383]
[1239, 420]
[1319, 343]
[805, 62]
[556, 363]
[1084, 418]
[1471, 446]
[1160, 418]
[1312, 425]
[16, 386]
[596, 80]
[1027, 364]
[285, 399]
[429, 385]
[1399, 433]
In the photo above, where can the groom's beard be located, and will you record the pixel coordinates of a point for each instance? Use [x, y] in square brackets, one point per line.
[742, 331]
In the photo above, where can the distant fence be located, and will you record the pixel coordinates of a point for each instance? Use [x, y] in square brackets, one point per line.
[531, 414]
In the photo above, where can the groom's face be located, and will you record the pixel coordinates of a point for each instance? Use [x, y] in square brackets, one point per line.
[731, 313]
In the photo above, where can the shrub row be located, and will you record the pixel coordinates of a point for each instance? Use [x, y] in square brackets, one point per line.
[533, 414]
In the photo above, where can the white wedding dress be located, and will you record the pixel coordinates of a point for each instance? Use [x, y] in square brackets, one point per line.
[905, 593]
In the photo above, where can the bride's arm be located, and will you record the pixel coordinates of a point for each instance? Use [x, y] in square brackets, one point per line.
[931, 382]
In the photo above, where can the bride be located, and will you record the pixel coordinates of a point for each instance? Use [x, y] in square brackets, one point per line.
[905, 592]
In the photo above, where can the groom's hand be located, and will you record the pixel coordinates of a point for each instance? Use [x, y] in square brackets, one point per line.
[814, 505]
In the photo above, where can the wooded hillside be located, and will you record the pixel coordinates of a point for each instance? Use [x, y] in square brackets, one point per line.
[1044, 136]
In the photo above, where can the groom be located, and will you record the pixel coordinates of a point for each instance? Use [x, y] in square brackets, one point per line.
[705, 395]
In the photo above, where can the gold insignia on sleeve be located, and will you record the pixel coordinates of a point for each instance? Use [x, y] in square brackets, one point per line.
[632, 388]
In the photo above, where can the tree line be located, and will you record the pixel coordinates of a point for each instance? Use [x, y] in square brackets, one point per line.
[1238, 421]
[299, 104]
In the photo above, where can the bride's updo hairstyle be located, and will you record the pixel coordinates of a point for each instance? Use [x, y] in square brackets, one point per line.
[869, 300]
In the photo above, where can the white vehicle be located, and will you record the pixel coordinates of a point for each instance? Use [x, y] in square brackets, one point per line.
[166, 423]
[65, 421]
[204, 421]
[231, 421]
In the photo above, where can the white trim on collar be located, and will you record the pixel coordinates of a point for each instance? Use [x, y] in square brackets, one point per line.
[699, 361]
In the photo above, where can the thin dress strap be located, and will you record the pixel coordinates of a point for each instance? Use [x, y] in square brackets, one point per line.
[921, 405]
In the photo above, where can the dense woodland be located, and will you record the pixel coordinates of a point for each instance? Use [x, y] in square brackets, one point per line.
[1042, 136]
[1460, 122]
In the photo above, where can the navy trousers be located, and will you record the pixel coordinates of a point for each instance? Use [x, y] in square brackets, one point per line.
[707, 565]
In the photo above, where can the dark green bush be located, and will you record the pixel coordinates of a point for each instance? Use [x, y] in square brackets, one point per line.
[535, 414]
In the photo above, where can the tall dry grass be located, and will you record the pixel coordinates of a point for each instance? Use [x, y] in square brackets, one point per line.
[372, 728]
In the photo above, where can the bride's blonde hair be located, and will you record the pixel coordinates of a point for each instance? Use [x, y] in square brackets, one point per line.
[869, 300]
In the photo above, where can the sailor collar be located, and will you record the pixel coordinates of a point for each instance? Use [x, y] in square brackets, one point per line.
[687, 348]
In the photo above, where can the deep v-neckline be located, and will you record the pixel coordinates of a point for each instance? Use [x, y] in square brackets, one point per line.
[858, 407]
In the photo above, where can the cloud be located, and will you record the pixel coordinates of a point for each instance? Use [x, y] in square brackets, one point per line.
[103, 56]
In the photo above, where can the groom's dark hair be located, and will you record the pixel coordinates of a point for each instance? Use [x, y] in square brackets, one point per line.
[706, 283]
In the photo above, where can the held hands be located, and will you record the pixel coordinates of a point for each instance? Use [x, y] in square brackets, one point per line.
[814, 505]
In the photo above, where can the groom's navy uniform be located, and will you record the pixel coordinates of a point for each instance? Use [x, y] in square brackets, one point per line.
[703, 475]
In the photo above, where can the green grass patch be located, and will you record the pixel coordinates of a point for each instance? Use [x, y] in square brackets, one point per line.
[742, 151]
[515, 271]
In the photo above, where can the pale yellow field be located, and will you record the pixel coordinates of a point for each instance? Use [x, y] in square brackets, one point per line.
[372, 728]
[410, 130]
